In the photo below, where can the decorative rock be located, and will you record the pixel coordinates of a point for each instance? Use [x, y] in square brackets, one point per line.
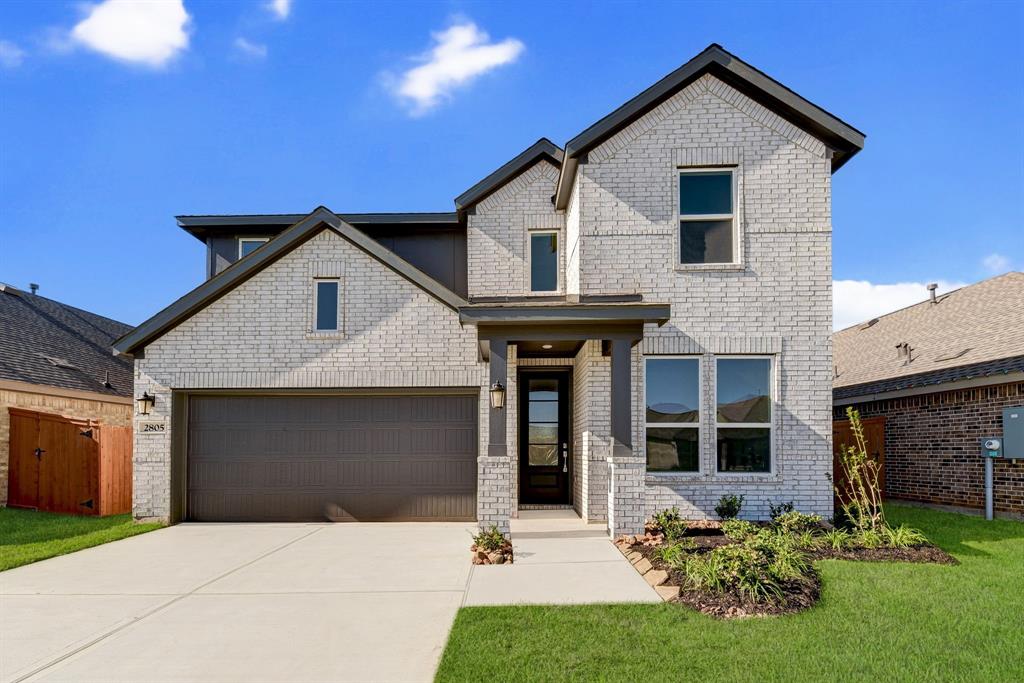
[656, 577]
[667, 593]
[643, 566]
[634, 557]
[496, 558]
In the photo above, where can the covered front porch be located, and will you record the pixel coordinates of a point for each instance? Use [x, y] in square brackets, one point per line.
[560, 432]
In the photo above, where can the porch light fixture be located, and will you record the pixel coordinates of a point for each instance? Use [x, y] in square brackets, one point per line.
[498, 395]
[145, 403]
[545, 346]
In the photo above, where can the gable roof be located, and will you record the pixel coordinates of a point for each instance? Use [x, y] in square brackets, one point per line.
[201, 226]
[45, 342]
[973, 331]
[841, 137]
[320, 219]
[542, 149]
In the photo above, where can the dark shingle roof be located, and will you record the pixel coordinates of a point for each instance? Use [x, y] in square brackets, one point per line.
[49, 343]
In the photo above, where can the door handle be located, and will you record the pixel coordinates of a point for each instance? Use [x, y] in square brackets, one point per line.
[39, 453]
[565, 457]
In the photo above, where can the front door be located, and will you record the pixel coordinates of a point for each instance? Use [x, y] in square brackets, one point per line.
[544, 437]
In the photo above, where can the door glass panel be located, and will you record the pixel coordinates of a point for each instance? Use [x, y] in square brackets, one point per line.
[543, 455]
[543, 432]
[543, 389]
[543, 411]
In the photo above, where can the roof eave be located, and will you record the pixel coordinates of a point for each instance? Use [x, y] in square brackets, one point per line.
[542, 149]
[657, 314]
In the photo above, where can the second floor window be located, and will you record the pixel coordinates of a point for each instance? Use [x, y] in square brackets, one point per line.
[706, 216]
[325, 306]
[543, 262]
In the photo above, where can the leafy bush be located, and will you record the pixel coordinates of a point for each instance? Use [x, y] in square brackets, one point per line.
[902, 537]
[729, 507]
[670, 523]
[780, 509]
[673, 553]
[869, 538]
[837, 539]
[738, 529]
[859, 490]
[808, 540]
[489, 540]
[794, 522]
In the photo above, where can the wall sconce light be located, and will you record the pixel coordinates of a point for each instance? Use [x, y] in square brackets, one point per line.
[498, 395]
[145, 403]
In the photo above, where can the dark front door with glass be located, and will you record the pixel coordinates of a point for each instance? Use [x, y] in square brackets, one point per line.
[544, 437]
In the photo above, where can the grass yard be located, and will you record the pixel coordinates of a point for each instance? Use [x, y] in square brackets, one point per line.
[28, 536]
[879, 621]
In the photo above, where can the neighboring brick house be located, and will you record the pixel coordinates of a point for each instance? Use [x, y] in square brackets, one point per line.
[639, 320]
[58, 359]
[940, 373]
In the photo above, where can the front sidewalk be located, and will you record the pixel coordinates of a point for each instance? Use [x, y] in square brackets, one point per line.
[559, 560]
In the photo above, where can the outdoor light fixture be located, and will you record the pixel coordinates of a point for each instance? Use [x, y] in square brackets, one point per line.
[498, 395]
[145, 403]
[545, 346]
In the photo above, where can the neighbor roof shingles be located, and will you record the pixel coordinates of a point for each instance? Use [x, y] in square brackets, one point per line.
[33, 328]
[968, 329]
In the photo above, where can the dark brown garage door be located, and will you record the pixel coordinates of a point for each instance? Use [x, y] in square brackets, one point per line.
[339, 458]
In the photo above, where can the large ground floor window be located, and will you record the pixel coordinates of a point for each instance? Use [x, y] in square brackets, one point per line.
[743, 414]
[672, 387]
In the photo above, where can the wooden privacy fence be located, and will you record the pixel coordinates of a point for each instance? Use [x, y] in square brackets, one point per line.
[59, 464]
[874, 436]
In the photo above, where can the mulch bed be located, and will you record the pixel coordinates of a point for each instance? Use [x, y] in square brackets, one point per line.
[797, 595]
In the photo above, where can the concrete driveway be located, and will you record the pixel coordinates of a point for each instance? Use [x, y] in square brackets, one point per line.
[239, 602]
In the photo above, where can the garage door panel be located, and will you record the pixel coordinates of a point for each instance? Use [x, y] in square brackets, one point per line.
[315, 458]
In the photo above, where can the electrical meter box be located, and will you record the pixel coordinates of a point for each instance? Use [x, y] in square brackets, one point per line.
[1013, 432]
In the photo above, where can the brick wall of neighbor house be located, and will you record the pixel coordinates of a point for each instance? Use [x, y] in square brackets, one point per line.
[498, 231]
[258, 336]
[78, 408]
[778, 302]
[932, 451]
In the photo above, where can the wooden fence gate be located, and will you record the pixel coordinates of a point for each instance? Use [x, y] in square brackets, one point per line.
[874, 436]
[59, 464]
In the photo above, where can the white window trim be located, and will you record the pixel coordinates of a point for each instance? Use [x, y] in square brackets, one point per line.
[772, 394]
[558, 261]
[737, 233]
[316, 305]
[242, 240]
[698, 425]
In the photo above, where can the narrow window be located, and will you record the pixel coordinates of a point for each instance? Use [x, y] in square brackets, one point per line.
[543, 261]
[743, 418]
[672, 389]
[247, 245]
[326, 305]
[706, 225]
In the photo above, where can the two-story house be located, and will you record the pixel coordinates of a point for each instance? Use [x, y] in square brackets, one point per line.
[637, 320]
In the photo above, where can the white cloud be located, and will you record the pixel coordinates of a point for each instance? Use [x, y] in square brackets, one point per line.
[11, 56]
[855, 301]
[280, 8]
[996, 263]
[461, 53]
[148, 33]
[249, 49]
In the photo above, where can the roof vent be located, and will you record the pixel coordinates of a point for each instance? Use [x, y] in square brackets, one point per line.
[58, 362]
[34, 287]
[869, 323]
[931, 292]
[904, 352]
[952, 356]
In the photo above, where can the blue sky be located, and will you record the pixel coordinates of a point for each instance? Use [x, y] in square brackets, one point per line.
[107, 132]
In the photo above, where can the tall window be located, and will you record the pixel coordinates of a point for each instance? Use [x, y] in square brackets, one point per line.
[743, 416]
[543, 261]
[325, 305]
[706, 218]
[672, 387]
[247, 245]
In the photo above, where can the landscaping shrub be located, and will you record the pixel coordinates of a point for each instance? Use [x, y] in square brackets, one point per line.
[729, 507]
[489, 540]
[902, 537]
[670, 523]
[793, 522]
[780, 509]
[837, 539]
[738, 529]
[859, 492]
[672, 553]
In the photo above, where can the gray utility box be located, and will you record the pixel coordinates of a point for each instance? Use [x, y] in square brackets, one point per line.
[1013, 432]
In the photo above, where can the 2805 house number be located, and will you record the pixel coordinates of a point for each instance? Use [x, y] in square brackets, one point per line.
[152, 427]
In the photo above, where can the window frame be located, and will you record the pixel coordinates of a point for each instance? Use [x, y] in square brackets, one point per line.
[772, 395]
[698, 425]
[242, 240]
[734, 173]
[530, 234]
[316, 306]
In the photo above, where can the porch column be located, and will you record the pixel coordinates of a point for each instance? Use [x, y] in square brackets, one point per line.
[626, 506]
[494, 472]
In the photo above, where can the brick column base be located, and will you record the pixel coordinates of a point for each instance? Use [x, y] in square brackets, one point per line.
[494, 493]
[626, 509]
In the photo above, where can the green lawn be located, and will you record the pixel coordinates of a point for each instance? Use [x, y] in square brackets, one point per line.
[875, 621]
[28, 536]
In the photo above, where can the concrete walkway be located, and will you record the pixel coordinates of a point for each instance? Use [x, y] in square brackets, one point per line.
[561, 560]
[239, 602]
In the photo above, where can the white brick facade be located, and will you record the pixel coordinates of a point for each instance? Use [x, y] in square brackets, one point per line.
[619, 234]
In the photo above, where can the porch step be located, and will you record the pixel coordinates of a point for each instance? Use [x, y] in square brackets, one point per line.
[554, 524]
[538, 506]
